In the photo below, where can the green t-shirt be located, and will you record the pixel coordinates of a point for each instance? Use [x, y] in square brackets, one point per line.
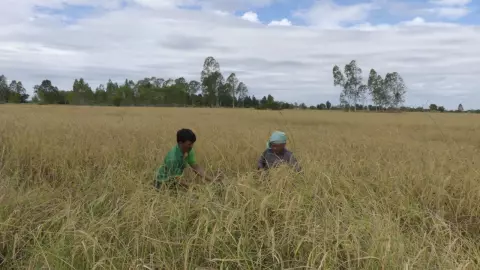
[174, 164]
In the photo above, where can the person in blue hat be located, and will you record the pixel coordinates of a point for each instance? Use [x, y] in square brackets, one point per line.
[277, 153]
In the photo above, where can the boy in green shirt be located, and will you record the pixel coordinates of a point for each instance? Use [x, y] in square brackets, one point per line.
[177, 159]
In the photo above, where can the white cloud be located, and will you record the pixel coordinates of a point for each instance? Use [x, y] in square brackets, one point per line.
[416, 21]
[158, 4]
[282, 22]
[452, 12]
[328, 14]
[251, 17]
[419, 21]
[439, 62]
[233, 5]
[224, 5]
[450, 9]
[221, 12]
[15, 11]
[451, 2]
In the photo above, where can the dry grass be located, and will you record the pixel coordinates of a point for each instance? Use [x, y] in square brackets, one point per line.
[379, 191]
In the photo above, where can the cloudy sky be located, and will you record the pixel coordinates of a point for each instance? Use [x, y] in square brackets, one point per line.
[283, 47]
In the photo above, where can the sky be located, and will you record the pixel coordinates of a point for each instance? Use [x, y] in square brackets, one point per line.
[286, 48]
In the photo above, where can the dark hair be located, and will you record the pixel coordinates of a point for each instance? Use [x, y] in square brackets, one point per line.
[184, 135]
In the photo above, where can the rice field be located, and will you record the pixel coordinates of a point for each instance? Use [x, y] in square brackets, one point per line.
[377, 191]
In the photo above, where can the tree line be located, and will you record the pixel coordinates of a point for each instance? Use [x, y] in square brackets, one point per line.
[213, 90]
[436, 108]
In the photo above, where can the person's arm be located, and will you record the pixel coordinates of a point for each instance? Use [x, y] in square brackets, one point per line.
[192, 161]
[200, 172]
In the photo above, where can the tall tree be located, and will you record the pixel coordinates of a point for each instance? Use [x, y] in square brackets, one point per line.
[372, 83]
[21, 92]
[212, 85]
[396, 89]
[82, 92]
[181, 86]
[4, 89]
[126, 93]
[339, 80]
[362, 90]
[353, 89]
[47, 93]
[329, 105]
[193, 88]
[460, 107]
[255, 102]
[270, 100]
[354, 83]
[101, 96]
[17, 93]
[377, 89]
[145, 90]
[344, 102]
[12, 97]
[242, 91]
[210, 66]
[212, 80]
[114, 96]
[232, 87]
[263, 101]
[75, 96]
[224, 96]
